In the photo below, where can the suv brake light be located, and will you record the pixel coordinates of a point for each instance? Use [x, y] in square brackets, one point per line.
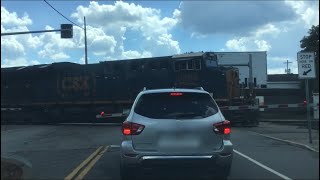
[223, 127]
[176, 94]
[129, 128]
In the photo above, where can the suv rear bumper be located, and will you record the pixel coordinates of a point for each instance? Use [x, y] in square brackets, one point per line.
[132, 158]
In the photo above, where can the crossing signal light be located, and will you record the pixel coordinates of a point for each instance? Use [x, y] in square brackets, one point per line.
[66, 31]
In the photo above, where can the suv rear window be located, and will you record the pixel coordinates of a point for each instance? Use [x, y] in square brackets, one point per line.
[176, 105]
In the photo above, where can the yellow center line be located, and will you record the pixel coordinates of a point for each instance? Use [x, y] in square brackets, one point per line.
[77, 169]
[91, 164]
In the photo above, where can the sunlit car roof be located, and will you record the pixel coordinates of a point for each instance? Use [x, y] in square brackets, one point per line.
[172, 90]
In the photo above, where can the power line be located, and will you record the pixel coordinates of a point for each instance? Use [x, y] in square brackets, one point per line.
[62, 14]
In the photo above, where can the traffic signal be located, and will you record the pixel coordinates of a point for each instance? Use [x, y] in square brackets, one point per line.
[66, 31]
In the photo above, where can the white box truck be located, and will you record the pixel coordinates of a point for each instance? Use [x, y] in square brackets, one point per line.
[259, 65]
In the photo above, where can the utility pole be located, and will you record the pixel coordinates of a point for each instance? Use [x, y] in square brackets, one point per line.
[250, 76]
[287, 70]
[85, 41]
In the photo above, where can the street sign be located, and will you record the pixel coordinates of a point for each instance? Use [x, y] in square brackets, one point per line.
[306, 67]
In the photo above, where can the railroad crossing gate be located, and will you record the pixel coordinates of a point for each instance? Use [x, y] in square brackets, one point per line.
[306, 67]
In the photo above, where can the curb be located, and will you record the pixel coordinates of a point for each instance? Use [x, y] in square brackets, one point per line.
[289, 142]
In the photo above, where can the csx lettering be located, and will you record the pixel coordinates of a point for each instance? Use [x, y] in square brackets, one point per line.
[78, 83]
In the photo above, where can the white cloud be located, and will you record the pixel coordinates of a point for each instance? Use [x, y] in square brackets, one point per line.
[135, 54]
[54, 47]
[273, 26]
[308, 11]
[18, 62]
[177, 15]
[54, 40]
[277, 64]
[237, 44]
[257, 40]
[12, 19]
[268, 29]
[262, 45]
[247, 44]
[197, 35]
[82, 60]
[27, 40]
[278, 58]
[281, 70]
[280, 38]
[57, 49]
[59, 56]
[232, 17]
[106, 34]
[100, 43]
[116, 19]
[276, 71]
[11, 48]
[34, 62]
[163, 45]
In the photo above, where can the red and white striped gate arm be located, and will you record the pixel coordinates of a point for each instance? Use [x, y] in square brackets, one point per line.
[271, 106]
[224, 108]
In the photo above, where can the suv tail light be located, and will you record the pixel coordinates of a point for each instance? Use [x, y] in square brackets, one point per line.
[223, 127]
[129, 128]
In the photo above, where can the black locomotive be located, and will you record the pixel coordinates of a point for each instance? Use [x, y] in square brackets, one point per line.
[69, 92]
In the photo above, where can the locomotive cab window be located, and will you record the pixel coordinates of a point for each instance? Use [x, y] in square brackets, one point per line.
[197, 64]
[134, 66]
[192, 64]
[211, 62]
[164, 64]
[153, 65]
[117, 67]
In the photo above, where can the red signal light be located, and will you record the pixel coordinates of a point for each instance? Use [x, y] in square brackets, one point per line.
[305, 102]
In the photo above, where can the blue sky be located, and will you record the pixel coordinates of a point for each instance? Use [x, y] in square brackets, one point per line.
[121, 30]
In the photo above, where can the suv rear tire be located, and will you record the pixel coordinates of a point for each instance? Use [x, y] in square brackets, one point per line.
[126, 173]
[223, 173]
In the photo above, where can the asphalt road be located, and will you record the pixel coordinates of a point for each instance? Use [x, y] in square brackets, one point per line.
[57, 152]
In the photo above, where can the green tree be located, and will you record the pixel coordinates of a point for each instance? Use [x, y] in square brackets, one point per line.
[310, 43]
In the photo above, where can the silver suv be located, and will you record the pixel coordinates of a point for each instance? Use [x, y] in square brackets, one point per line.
[173, 129]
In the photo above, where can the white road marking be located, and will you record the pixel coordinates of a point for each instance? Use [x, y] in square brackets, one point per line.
[263, 166]
[114, 146]
[287, 141]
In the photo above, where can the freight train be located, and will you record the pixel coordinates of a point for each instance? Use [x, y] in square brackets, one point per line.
[76, 93]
